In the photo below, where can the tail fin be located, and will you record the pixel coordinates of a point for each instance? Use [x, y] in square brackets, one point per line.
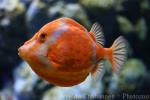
[117, 54]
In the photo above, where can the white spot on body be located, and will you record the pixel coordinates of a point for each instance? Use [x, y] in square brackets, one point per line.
[93, 48]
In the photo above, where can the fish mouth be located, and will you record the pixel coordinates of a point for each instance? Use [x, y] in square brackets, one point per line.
[20, 52]
[25, 54]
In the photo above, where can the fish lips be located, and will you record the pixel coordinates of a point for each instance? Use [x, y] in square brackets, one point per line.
[23, 53]
[20, 52]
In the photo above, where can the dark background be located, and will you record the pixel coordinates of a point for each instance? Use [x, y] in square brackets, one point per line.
[130, 18]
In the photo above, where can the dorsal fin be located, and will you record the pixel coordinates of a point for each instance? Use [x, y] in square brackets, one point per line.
[98, 71]
[97, 31]
[73, 23]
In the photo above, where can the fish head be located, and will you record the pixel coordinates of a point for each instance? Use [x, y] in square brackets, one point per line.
[35, 50]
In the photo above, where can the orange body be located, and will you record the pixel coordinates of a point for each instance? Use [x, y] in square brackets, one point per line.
[62, 52]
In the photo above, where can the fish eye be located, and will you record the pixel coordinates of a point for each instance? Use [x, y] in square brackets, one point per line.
[42, 36]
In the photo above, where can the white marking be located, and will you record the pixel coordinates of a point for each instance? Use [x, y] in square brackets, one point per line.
[57, 34]
[43, 48]
[41, 53]
[93, 48]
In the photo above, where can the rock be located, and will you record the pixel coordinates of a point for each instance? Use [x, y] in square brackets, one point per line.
[24, 81]
[133, 71]
[33, 9]
[36, 16]
[74, 11]
[8, 13]
[7, 92]
[103, 4]
[27, 84]
[12, 35]
[125, 25]
[25, 78]
[144, 5]
[141, 29]
[106, 4]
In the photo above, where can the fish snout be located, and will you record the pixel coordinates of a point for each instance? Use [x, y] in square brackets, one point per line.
[26, 49]
[20, 51]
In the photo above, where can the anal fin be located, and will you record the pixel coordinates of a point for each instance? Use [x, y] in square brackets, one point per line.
[98, 71]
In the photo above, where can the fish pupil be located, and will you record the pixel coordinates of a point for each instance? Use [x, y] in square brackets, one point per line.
[42, 36]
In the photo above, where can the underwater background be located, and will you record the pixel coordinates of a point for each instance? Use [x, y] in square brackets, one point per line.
[20, 19]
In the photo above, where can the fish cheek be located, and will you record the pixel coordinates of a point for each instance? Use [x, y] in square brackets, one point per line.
[37, 59]
[33, 51]
[41, 54]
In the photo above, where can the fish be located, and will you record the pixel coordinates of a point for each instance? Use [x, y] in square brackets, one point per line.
[64, 53]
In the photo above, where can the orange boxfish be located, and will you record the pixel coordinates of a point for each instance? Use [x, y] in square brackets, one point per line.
[64, 53]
